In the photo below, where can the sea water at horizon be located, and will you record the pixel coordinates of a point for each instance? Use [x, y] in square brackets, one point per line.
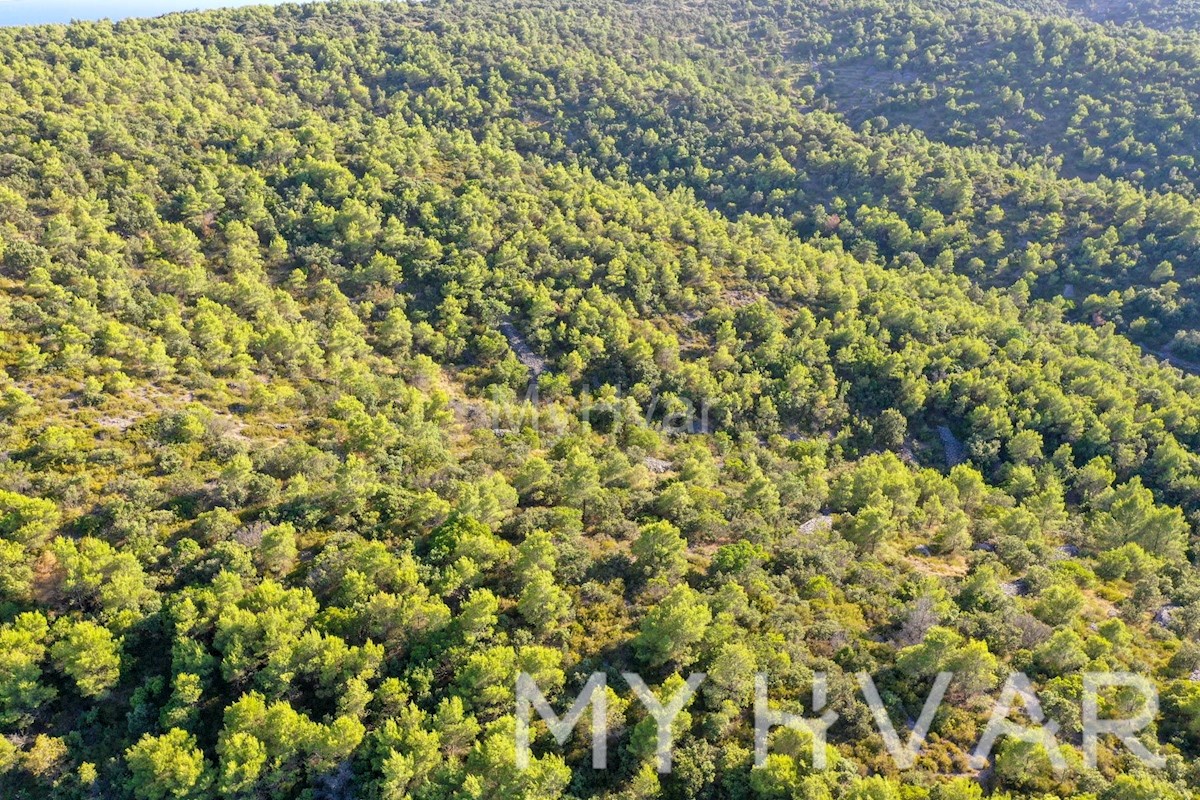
[37, 12]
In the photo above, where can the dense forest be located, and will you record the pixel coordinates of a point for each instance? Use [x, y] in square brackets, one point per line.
[357, 357]
[1167, 15]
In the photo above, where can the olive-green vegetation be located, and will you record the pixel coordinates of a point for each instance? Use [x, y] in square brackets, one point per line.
[1176, 16]
[279, 517]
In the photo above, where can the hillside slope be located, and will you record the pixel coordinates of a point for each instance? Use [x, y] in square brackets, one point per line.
[357, 357]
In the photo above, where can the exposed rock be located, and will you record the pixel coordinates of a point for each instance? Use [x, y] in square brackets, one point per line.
[122, 424]
[1164, 615]
[956, 453]
[531, 360]
[816, 523]
[657, 465]
[336, 785]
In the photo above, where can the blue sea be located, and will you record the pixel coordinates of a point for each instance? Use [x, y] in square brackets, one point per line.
[36, 12]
